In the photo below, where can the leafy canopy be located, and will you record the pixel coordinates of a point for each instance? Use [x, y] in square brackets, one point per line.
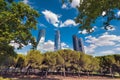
[90, 10]
[16, 22]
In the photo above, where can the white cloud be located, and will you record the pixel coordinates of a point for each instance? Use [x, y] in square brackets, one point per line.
[24, 50]
[109, 28]
[51, 17]
[25, 1]
[86, 32]
[75, 3]
[103, 40]
[54, 19]
[117, 45]
[49, 46]
[83, 32]
[64, 6]
[64, 46]
[90, 49]
[118, 13]
[118, 49]
[68, 22]
[30, 44]
[103, 13]
[16, 45]
[42, 25]
[107, 52]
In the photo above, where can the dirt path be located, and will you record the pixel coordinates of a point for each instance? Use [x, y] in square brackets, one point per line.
[54, 77]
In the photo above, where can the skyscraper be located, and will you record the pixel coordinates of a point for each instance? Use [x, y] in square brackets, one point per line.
[81, 46]
[78, 44]
[40, 39]
[57, 44]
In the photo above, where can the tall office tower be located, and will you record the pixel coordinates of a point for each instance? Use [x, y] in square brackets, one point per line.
[81, 46]
[57, 44]
[78, 44]
[40, 39]
[75, 43]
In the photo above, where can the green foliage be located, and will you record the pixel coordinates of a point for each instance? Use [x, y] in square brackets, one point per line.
[16, 22]
[1, 78]
[110, 63]
[7, 59]
[6, 49]
[64, 61]
[20, 61]
[90, 10]
[34, 58]
[88, 63]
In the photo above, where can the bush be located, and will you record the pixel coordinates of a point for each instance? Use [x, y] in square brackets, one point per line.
[1, 78]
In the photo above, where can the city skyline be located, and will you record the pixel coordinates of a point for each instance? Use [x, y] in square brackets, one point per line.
[77, 42]
[61, 16]
[41, 40]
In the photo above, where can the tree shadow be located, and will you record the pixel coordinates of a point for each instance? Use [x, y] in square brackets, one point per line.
[28, 77]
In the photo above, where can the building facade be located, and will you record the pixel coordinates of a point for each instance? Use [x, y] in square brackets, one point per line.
[78, 44]
[41, 39]
[57, 44]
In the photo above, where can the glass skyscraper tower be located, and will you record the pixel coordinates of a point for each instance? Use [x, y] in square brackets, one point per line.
[40, 39]
[57, 44]
[78, 44]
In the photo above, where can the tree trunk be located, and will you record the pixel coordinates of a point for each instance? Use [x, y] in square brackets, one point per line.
[88, 73]
[46, 73]
[64, 74]
[61, 73]
[111, 72]
[91, 73]
[78, 73]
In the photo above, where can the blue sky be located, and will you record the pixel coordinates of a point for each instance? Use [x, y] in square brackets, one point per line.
[55, 15]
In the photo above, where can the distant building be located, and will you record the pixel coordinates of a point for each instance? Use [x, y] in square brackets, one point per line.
[78, 44]
[57, 44]
[75, 43]
[81, 46]
[41, 39]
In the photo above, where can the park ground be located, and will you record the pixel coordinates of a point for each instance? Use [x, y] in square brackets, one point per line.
[57, 77]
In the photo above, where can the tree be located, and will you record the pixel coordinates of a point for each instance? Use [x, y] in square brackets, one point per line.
[85, 63]
[91, 10]
[74, 61]
[7, 56]
[6, 61]
[49, 62]
[70, 59]
[16, 22]
[88, 63]
[34, 58]
[66, 55]
[20, 61]
[59, 63]
[116, 66]
[107, 64]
